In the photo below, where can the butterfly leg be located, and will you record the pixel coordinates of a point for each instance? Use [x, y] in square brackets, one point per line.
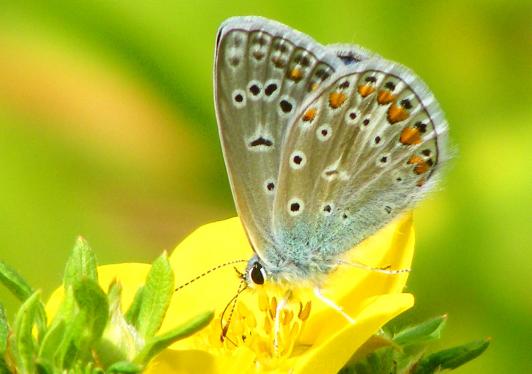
[362, 266]
[333, 305]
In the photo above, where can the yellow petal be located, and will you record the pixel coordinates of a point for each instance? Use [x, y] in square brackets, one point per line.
[332, 354]
[208, 246]
[349, 287]
[195, 361]
[182, 362]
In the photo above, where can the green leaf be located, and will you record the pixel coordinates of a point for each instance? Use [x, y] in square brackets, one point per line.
[374, 343]
[69, 351]
[68, 307]
[157, 344]
[14, 282]
[120, 340]
[51, 342]
[114, 294]
[22, 290]
[422, 333]
[451, 358]
[4, 330]
[94, 309]
[156, 297]
[66, 313]
[44, 367]
[124, 367]
[85, 321]
[132, 313]
[379, 361]
[22, 341]
[4, 369]
[81, 264]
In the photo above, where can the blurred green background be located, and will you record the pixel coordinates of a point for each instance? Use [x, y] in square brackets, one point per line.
[107, 130]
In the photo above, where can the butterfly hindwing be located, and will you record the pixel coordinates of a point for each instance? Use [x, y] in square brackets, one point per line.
[263, 72]
[375, 144]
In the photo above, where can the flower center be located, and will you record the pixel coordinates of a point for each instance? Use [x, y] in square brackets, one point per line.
[267, 321]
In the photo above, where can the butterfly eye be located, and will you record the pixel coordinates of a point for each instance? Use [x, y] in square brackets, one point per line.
[257, 273]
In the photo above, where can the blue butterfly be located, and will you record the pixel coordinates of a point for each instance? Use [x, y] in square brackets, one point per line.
[324, 145]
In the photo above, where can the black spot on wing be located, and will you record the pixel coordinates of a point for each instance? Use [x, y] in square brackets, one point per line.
[261, 141]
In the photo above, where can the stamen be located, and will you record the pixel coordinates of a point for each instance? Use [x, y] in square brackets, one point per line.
[268, 320]
[278, 311]
[304, 312]
[273, 308]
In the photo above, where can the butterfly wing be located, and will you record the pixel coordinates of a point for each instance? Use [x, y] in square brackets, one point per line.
[375, 144]
[263, 71]
[350, 54]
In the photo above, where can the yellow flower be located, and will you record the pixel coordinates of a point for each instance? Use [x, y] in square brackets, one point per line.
[321, 341]
[307, 336]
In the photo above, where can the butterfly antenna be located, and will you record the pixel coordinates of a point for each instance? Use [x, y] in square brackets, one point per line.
[209, 271]
[225, 327]
[383, 270]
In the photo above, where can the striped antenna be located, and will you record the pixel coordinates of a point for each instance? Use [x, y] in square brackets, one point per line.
[209, 271]
[225, 327]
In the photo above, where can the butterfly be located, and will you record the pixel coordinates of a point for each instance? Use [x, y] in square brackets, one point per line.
[323, 145]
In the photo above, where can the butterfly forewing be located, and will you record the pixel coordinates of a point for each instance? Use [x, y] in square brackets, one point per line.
[371, 151]
[263, 72]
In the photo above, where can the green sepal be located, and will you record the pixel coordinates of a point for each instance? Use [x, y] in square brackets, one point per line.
[158, 343]
[451, 358]
[114, 294]
[18, 286]
[406, 352]
[23, 345]
[67, 309]
[4, 331]
[43, 367]
[4, 369]
[125, 367]
[414, 341]
[81, 264]
[132, 313]
[85, 321]
[14, 282]
[67, 312]
[93, 311]
[51, 343]
[120, 340]
[156, 297]
[422, 333]
[371, 345]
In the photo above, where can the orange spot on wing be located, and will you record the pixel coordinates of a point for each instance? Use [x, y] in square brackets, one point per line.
[295, 74]
[396, 113]
[410, 136]
[385, 97]
[415, 159]
[309, 115]
[421, 182]
[336, 99]
[421, 166]
[313, 86]
[365, 89]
